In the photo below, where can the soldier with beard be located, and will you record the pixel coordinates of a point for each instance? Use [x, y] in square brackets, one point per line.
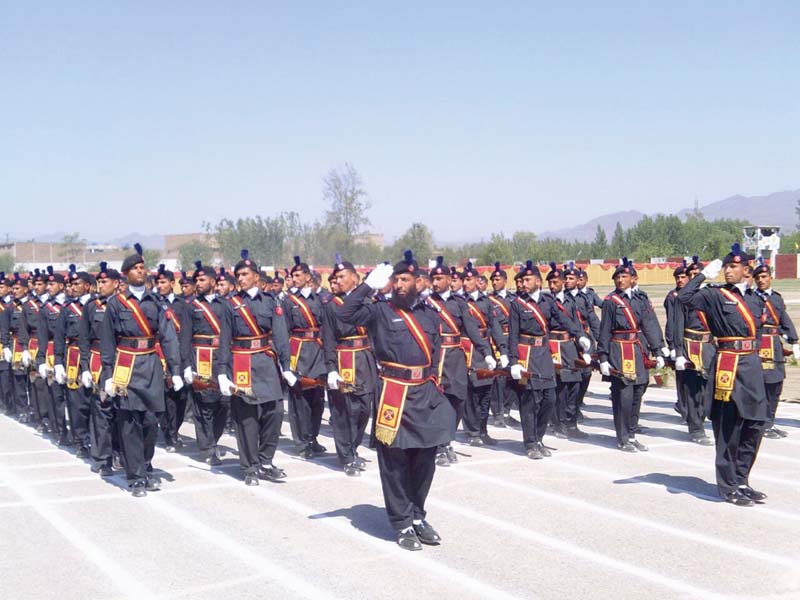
[414, 417]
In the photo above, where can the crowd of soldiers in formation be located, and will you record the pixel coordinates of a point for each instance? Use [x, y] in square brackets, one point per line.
[105, 361]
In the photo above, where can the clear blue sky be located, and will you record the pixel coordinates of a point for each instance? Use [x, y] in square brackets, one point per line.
[465, 115]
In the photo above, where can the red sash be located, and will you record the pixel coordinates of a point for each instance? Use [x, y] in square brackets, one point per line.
[132, 304]
[626, 309]
[500, 304]
[209, 315]
[305, 310]
[247, 315]
[537, 313]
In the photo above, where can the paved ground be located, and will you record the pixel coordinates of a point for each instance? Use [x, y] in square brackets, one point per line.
[589, 522]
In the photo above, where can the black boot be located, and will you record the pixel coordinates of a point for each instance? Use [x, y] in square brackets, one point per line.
[487, 439]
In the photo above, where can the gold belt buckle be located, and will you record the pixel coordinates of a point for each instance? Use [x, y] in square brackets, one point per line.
[416, 373]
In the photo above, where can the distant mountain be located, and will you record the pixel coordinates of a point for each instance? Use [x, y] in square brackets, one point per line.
[774, 209]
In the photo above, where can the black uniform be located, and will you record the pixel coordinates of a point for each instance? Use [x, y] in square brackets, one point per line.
[303, 320]
[140, 407]
[504, 390]
[50, 330]
[39, 393]
[175, 403]
[406, 461]
[738, 404]
[67, 353]
[19, 338]
[591, 326]
[206, 331]
[7, 403]
[256, 366]
[671, 305]
[348, 352]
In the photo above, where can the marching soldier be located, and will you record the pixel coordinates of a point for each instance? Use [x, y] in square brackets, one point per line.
[503, 394]
[456, 282]
[350, 362]
[621, 354]
[694, 356]
[226, 283]
[39, 393]
[51, 329]
[776, 325]
[738, 403]
[6, 308]
[303, 311]
[132, 369]
[175, 401]
[103, 437]
[476, 409]
[583, 287]
[670, 301]
[257, 402]
[584, 307]
[207, 331]
[564, 344]
[19, 339]
[459, 330]
[187, 287]
[414, 417]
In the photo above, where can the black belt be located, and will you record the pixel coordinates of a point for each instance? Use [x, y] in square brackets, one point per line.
[353, 343]
[746, 345]
[251, 343]
[208, 341]
[136, 343]
[697, 336]
[452, 340]
[306, 334]
[562, 336]
[95, 345]
[536, 341]
[630, 336]
[72, 340]
[407, 373]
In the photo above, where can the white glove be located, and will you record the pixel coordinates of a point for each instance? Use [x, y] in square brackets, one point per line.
[87, 380]
[673, 354]
[333, 380]
[379, 277]
[605, 368]
[226, 386]
[491, 363]
[177, 383]
[43, 370]
[680, 363]
[26, 358]
[290, 378]
[796, 351]
[587, 358]
[712, 269]
[188, 376]
[503, 361]
[516, 371]
[60, 374]
[665, 352]
[109, 387]
[7, 356]
[659, 362]
[584, 342]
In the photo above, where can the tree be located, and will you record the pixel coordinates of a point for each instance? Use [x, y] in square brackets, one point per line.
[6, 262]
[270, 240]
[417, 238]
[348, 201]
[151, 258]
[599, 247]
[72, 247]
[618, 244]
[194, 250]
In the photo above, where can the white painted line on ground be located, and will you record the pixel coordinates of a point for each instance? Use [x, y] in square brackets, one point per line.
[710, 467]
[129, 585]
[296, 584]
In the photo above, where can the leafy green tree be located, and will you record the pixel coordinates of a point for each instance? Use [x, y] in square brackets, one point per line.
[618, 247]
[72, 247]
[6, 262]
[419, 239]
[599, 247]
[192, 251]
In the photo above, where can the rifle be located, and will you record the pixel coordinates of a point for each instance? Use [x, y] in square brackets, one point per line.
[491, 374]
[202, 384]
[308, 383]
[669, 363]
[594, 365]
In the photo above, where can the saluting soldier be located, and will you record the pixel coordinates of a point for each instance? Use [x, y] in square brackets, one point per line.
[738, 405]
[622, 355]
[207, 332]
[350, 362]
[775, 327]
[51, 329]
[694, 356]
[459, 329]
[260, 349]
[566, 339]
[476, 409]
[132, 370]
[414, 417]
[175, 401]
[103, 433]
[303, 313]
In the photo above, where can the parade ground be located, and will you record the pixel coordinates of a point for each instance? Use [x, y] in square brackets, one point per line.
[588, 522]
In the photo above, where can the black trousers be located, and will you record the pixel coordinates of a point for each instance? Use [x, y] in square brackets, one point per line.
[406, 477]
[209, 422]
[79, 407]
[458, 404]
[57, 409]
[565, 412]
[7, 392]
[258, 427]
[773, 397]
[39, 394]
[21, 394]
[173, 415]
[625, 400]
[138, 430]
[103, 438]
[535, 408]
[476, 409]
[693, 386]
[307, 407]
[683, 393]
[737, 441]
[586, 378]
[350, 414]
